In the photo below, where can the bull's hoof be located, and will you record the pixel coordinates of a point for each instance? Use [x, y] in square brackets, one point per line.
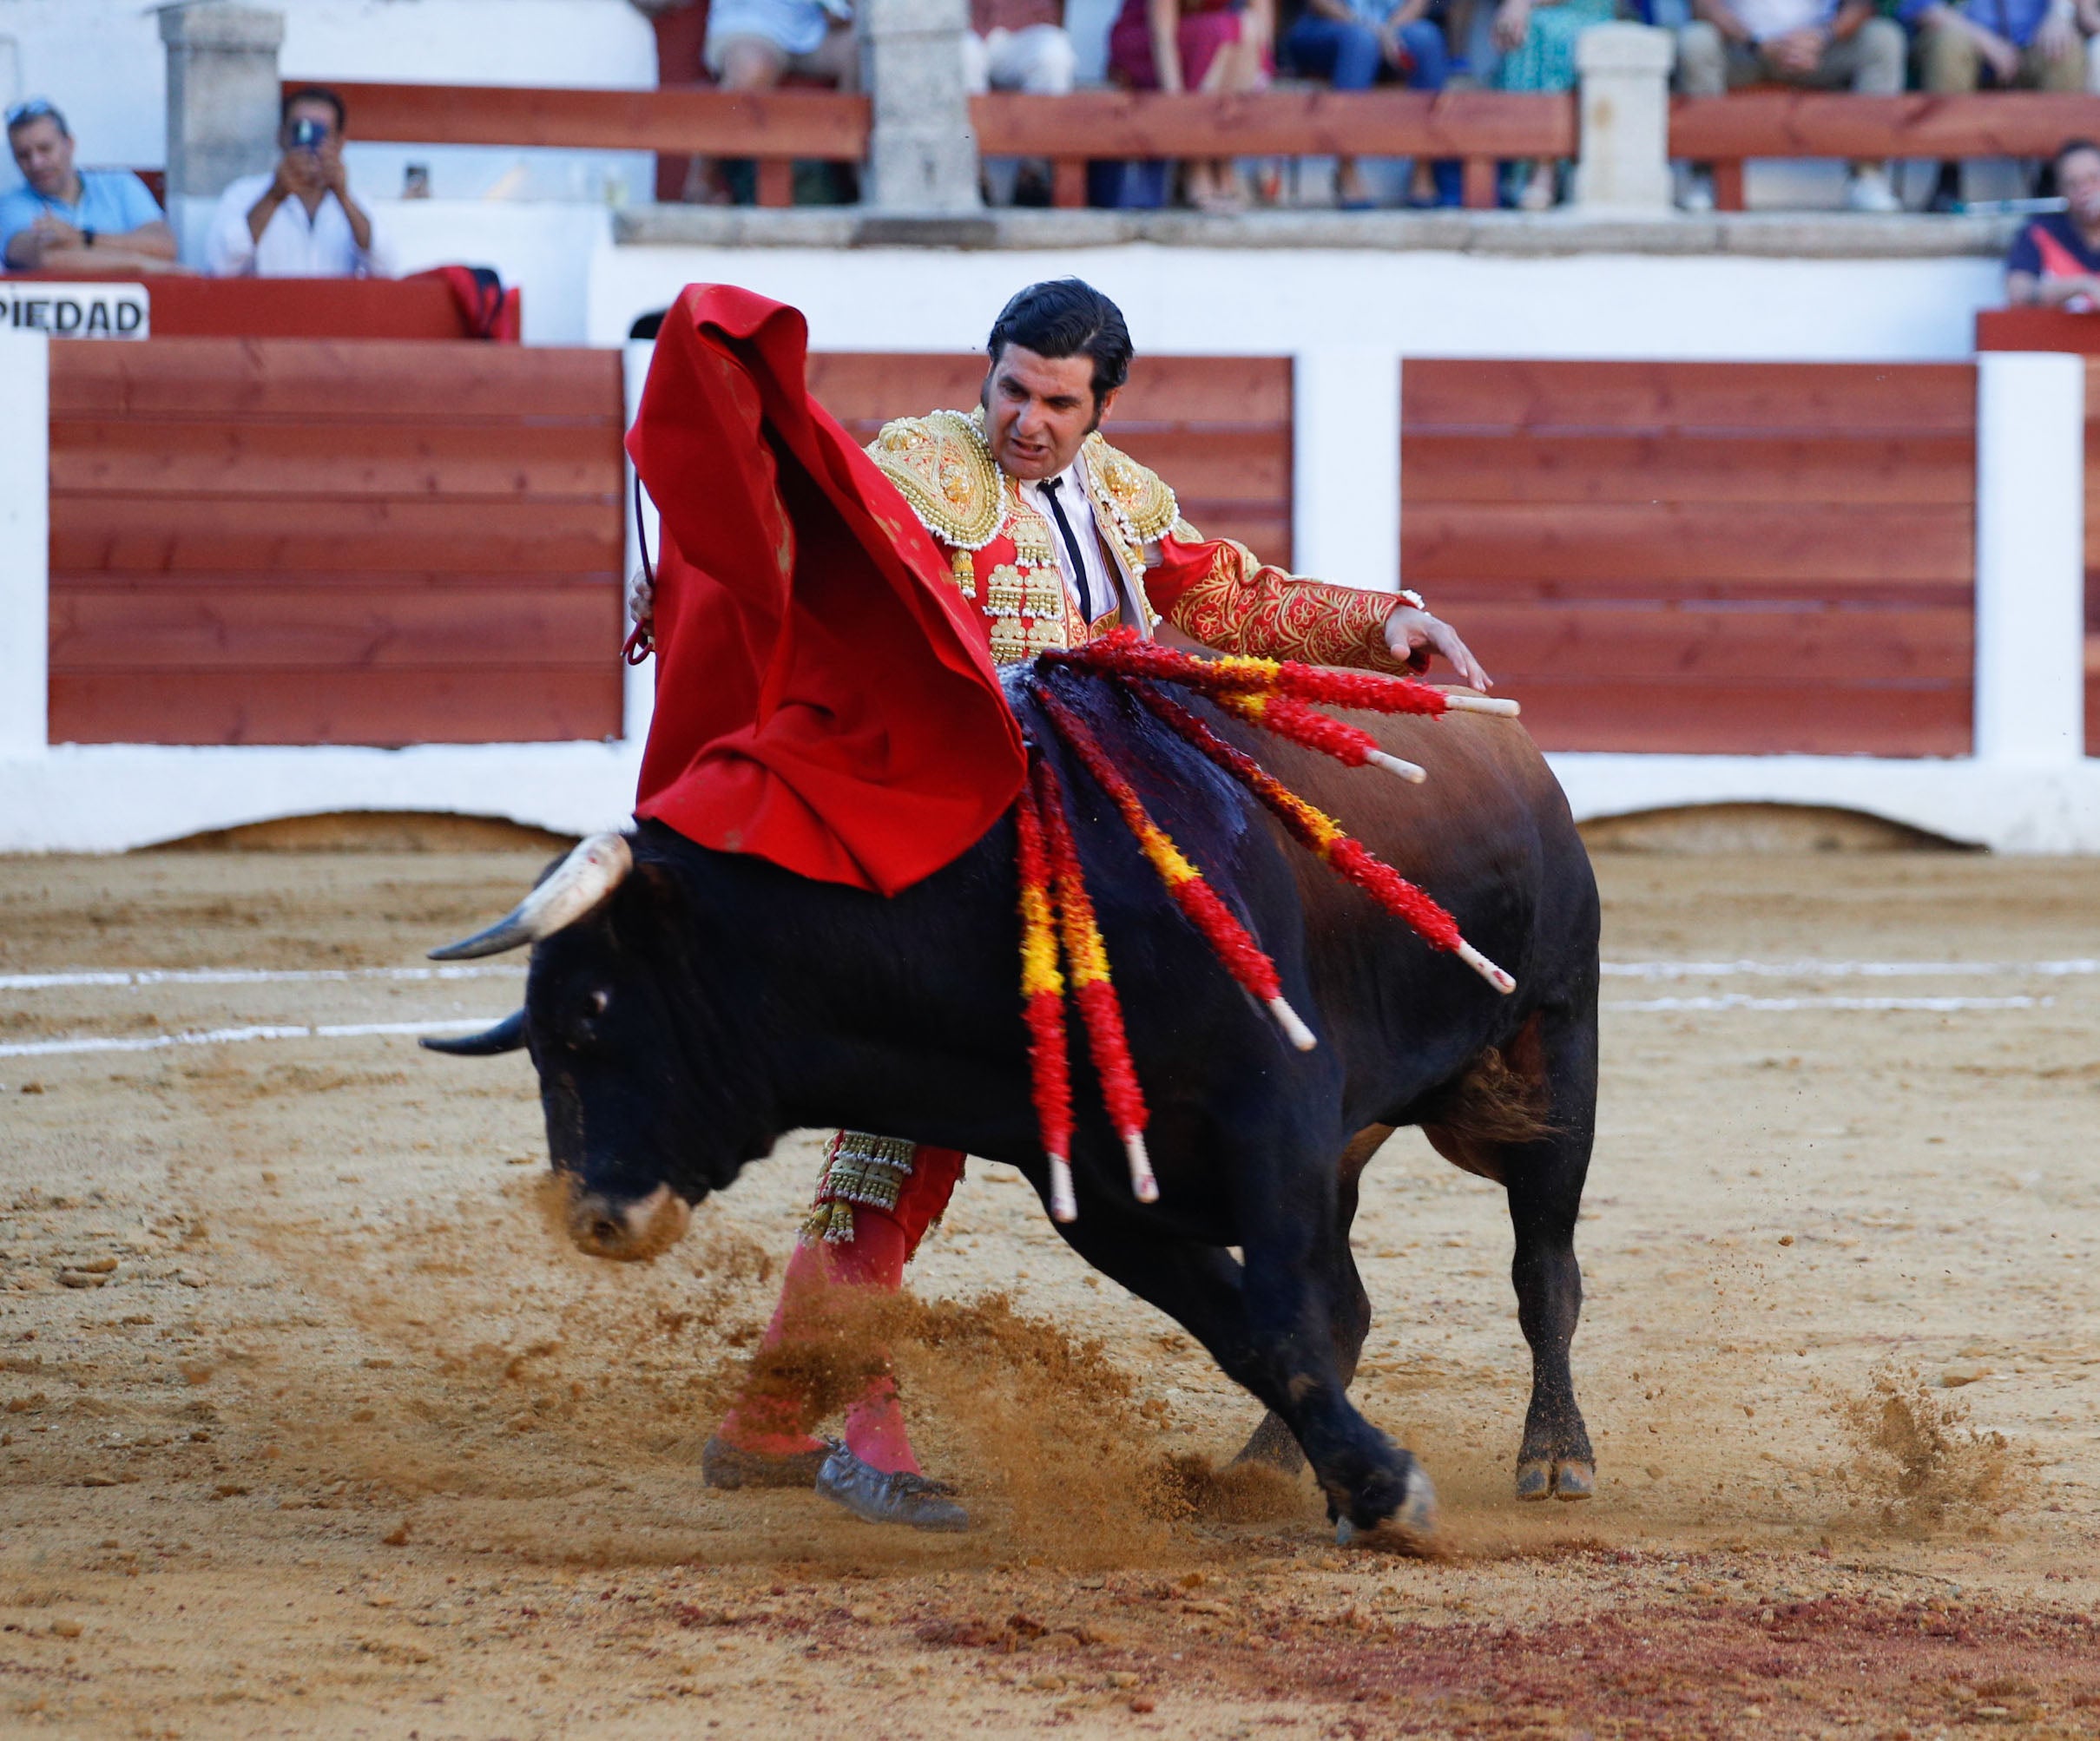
[896, 1497]
[1548, 1478]
[1413, 1522]
[1417, 1517]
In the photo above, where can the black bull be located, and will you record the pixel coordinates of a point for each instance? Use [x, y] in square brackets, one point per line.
[710, 1001]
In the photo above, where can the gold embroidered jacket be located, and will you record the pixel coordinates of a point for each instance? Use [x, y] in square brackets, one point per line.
[1000, 553]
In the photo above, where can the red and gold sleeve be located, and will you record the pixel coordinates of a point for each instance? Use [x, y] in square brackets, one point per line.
[1216, 591]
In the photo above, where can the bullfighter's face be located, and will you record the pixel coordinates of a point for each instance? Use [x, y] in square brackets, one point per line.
[1038, 409]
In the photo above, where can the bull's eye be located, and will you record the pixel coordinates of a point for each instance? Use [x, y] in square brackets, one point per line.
[583, 1024]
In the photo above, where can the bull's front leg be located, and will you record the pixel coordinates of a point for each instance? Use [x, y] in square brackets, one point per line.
[1295, 1289]
[1268, 1324]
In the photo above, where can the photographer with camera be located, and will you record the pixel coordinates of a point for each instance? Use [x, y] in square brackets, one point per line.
[300, 221]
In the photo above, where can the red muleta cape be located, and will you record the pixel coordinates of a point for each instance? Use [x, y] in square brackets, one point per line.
[825, 697]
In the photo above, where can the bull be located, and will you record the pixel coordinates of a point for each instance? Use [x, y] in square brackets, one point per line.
[686, 1007]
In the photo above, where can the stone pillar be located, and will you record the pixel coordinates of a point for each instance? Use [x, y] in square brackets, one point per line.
[1623, 170]
[923, 156]
[2030, 558]
[222, 103]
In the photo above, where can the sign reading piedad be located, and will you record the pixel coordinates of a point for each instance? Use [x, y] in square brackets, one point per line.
[76, 311]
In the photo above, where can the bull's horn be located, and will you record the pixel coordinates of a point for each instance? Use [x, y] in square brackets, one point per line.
[597, 866]
[508, 1035]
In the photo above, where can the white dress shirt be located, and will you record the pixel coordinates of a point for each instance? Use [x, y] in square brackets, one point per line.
[1103, 590]
[292, 245]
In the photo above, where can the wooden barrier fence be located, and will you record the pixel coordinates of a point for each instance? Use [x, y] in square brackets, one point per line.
[1479, 128]
[379, 543]
[307, 541]
[1724, 131]
[1742, 557]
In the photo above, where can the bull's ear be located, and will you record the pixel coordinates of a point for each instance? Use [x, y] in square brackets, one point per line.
[508, 1035]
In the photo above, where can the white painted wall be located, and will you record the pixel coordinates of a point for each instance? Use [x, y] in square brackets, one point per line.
[1264, 301]
[2030, 559]
[25, 474]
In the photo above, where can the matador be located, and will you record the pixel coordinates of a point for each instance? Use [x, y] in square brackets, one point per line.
[1056, 537]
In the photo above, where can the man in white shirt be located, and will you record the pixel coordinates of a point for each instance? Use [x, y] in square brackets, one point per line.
[300, 221]
[1820, 44]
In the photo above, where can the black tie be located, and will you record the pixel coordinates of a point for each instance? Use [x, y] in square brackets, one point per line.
[1071, 543]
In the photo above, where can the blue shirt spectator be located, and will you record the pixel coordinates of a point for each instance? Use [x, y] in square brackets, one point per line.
[69, 220]
[1354, 44]
[2016, 21]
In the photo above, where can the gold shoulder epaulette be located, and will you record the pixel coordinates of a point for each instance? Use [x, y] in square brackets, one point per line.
[1135, 492]
[946, 472]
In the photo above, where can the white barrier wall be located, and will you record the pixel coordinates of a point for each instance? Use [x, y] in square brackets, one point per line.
[25, 542]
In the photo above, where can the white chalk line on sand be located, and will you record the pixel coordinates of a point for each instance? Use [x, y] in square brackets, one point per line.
[60, 978]
[230, 1036]
[1738, 1000]
[1846, 969]
[241, 976]
[360, 1030]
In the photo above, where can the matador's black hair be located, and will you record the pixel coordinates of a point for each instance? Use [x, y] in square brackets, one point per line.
[1066, 318]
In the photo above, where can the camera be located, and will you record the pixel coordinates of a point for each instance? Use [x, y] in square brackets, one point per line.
[309, 135]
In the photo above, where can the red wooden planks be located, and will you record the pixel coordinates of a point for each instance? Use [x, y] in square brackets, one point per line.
[227, 455]
[689, 119]
[258, 627]
[1293, 124]
[1797, 124]
[1819, 542]
[120, 533]
[1661, 398]
[1764, 714]
[323, 380]
[523, 704]
[1747, 557]
[1525, 465]
[321, 541]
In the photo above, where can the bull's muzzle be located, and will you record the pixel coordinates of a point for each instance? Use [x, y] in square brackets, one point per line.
[631, 1232]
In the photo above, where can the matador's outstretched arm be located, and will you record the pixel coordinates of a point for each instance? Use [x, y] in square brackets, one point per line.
[1215, 591]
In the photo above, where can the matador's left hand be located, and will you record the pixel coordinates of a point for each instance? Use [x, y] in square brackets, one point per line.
[1414, 634]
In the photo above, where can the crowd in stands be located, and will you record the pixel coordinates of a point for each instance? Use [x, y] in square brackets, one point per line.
[300, 219]
[1871, 46]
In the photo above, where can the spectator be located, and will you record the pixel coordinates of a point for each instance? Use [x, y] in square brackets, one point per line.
[1537, 38]
[1356, 44]
[1019, 45]
[1203, 45]
[2055, 262]
[1818, 43]
[2007, 45]
[754, 45]
[69, 220]
[301, 220]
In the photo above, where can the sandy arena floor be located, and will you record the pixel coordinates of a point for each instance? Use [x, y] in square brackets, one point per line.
[309, 1426]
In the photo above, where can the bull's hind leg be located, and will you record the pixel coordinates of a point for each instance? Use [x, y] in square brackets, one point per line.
[1272, 1442]
[1527, 1122]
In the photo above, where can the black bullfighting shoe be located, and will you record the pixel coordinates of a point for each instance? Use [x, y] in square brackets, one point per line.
[875, 1497]
[721, 1464]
